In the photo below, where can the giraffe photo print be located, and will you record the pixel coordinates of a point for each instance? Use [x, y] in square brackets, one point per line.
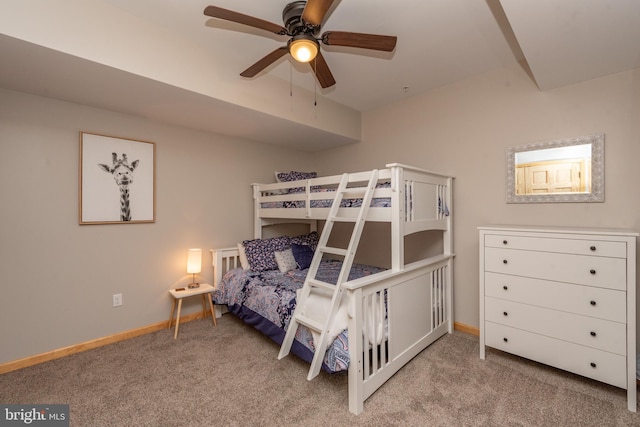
[117, 180]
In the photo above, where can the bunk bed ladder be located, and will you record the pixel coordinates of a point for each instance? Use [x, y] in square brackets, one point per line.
[315, 287]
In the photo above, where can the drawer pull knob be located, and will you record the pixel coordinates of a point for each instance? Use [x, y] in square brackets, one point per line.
[505, 339]
[592, 271]
[593, 248]
[505, 287]
[593, 365]
[592, 303]
[504, 242]
[504, 261]
[505, 313]
[593, 334]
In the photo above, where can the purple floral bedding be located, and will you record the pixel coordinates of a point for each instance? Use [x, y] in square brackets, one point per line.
[266, 301]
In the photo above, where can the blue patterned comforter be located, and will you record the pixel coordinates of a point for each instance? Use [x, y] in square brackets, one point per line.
[266, 300]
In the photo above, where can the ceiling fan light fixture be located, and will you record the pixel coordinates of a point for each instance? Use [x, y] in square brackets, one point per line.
[303, 48]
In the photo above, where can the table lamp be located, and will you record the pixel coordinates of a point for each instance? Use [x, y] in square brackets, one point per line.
[194, 266]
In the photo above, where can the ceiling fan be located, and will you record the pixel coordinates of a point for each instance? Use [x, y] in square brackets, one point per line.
[302, 22]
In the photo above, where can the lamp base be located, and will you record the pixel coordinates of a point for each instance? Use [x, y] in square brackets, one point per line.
[193, 285]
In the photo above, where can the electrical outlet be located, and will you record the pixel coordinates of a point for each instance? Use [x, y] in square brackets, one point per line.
[117, 300]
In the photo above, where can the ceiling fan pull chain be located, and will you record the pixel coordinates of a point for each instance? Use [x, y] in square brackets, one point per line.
[315, 83]
[290, 79]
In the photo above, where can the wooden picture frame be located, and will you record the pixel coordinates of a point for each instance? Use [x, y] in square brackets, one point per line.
[117, 180]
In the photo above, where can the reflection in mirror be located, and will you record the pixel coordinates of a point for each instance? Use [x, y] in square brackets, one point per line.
[566, 170]
[554, 170]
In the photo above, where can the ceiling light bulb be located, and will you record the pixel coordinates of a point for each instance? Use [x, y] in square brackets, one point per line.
[303, 54]
[303, 49]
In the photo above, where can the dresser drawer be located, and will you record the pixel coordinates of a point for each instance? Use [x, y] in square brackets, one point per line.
[586, 270]
[557, 245]
[588, 331]
[600, 365]
[608, 304]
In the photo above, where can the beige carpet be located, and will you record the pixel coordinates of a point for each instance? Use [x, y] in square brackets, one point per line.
[230, 376]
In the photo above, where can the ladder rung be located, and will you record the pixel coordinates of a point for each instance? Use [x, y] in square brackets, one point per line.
[354, 192]
[323, 285]
[309, 323]
[335, 251]
[344, 219]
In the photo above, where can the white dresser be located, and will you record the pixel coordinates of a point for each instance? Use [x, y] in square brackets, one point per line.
[563, 297]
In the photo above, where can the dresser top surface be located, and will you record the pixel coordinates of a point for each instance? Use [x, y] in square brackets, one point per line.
[563, 230]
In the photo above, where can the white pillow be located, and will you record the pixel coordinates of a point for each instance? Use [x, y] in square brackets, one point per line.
[244, 262]
[285, 260]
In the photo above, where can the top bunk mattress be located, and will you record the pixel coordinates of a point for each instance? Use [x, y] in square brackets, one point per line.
[326, 201]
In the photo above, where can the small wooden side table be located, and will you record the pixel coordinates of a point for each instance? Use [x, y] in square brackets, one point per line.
[179, 294]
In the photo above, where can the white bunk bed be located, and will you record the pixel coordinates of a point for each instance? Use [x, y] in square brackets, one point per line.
[415, 298]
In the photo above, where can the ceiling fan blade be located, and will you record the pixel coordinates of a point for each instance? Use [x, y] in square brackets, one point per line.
[265, 62]
[229, 15]
[315, 10]
[323, 73]
[363, 41]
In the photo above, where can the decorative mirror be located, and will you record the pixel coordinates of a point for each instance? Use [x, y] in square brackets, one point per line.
[563, 170]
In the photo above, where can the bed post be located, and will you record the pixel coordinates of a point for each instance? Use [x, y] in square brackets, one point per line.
[397, 219]
[448, 249]
[356, 381]
[257, 221]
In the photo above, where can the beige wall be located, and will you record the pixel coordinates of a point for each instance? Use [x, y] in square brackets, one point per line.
[57, 277]
[464, 130]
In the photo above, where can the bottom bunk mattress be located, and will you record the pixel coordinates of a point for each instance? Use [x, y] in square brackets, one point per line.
[266, 300]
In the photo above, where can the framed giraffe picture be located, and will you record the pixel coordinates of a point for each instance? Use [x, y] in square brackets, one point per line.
[117, 180]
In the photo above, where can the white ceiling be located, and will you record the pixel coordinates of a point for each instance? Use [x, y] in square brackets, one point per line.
[440, 42]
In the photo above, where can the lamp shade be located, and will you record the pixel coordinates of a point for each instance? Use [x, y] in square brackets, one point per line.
[303, 48]
[194, 261]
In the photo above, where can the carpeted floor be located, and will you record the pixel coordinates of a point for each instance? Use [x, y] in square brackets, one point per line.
[230, 376]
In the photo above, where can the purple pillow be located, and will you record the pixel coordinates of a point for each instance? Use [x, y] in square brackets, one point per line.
[303, 254]
[260, 252]
[310, 239]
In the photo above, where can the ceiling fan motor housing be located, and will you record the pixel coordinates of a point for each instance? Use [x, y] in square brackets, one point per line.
[292, 18]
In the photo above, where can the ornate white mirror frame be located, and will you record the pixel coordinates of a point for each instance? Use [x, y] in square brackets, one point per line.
[595, 174]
